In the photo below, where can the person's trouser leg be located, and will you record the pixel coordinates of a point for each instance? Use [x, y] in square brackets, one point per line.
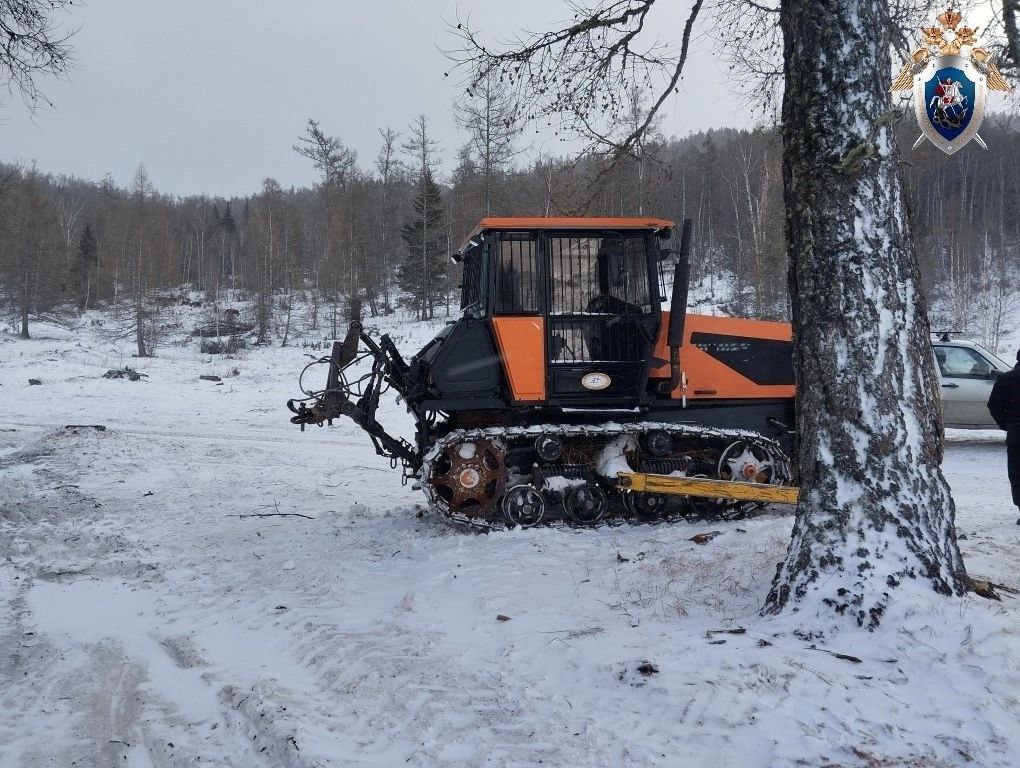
[1013, 462]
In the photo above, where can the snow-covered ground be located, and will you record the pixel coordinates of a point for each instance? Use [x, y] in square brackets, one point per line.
[150, 618]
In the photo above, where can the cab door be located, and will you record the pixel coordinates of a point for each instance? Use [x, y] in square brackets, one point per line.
[966, 379]
[518, 325]
[603, 312]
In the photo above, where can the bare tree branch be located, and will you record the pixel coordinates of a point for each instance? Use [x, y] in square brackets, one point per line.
[580, 75]
[751, 41]
[31, 44]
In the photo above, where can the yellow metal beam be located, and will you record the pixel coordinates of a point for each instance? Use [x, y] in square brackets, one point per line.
[706, 488]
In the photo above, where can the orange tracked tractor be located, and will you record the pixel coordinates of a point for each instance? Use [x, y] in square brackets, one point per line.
[565, 390]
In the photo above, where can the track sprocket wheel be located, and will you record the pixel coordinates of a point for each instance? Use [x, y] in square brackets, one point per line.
[469, 478]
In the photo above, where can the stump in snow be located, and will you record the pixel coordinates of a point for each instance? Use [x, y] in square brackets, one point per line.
[222, 346]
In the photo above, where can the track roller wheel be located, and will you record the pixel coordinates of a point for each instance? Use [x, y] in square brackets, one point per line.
[698, 507]
[645, 506]
[523, 505]
[469, 477]
[586, 504]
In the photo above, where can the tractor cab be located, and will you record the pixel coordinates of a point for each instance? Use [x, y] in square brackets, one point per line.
[572, 305]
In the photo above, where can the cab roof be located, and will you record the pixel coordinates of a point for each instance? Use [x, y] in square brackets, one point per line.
[572, 222]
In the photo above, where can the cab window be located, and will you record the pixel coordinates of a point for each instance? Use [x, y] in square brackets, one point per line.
[517, 274]
[471, 283]
[599, 275]
[962, 363]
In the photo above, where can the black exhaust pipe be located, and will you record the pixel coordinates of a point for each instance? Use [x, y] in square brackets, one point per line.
[678, 305]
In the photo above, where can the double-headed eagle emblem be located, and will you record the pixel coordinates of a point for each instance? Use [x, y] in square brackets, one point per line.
[951, 76]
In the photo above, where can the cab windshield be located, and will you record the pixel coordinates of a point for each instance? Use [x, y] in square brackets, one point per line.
[599, 275]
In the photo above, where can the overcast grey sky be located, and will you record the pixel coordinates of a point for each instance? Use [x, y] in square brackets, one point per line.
[212, 94]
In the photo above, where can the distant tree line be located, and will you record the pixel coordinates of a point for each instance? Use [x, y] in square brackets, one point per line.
[366, 238]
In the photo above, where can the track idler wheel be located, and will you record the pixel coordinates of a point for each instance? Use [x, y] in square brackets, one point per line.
[523, 506]
[744, 461]
[586, 504]
[470, 477]
[751, 463]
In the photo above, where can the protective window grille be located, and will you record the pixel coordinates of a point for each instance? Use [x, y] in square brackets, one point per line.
[471, 283]
[599, 275]
[599, 288]
[517, 274]
[595, 339]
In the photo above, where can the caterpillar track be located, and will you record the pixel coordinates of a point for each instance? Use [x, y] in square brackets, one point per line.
[556, 473]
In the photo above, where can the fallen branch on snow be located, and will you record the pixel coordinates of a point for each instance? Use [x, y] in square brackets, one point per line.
[843, 656]
[277, 513]
[273, 514]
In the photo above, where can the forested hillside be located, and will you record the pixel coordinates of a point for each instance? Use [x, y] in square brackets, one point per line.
[380, 230]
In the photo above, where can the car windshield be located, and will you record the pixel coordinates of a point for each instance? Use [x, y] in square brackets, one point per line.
[998, 362]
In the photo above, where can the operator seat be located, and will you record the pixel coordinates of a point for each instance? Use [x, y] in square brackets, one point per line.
[617, 335]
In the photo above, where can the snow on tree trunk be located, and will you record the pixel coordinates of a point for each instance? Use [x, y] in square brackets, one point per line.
[874, 508]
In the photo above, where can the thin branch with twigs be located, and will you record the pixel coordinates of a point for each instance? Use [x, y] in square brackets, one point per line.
[579, 74]
[31, 44]
[272, 514]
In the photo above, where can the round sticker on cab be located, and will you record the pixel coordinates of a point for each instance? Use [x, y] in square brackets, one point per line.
[596, 380]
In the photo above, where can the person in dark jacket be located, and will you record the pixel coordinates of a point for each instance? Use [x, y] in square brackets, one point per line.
[1004, 405]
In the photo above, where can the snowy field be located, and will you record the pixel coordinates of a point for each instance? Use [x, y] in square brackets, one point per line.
[150, 618]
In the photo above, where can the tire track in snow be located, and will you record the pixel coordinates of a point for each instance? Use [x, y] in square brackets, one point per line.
[103, 692]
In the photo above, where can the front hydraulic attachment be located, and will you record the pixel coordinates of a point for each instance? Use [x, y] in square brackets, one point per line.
[352, 392]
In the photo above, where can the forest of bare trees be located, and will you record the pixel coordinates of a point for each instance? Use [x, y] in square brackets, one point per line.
[359, 232]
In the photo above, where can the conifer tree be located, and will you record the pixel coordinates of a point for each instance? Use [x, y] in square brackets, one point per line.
[228, 220]
[88, 260]
[422, 272]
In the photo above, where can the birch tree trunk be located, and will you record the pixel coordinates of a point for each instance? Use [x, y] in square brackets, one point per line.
[874, 508]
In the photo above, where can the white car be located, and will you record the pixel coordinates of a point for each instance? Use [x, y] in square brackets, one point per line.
[967, 372]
